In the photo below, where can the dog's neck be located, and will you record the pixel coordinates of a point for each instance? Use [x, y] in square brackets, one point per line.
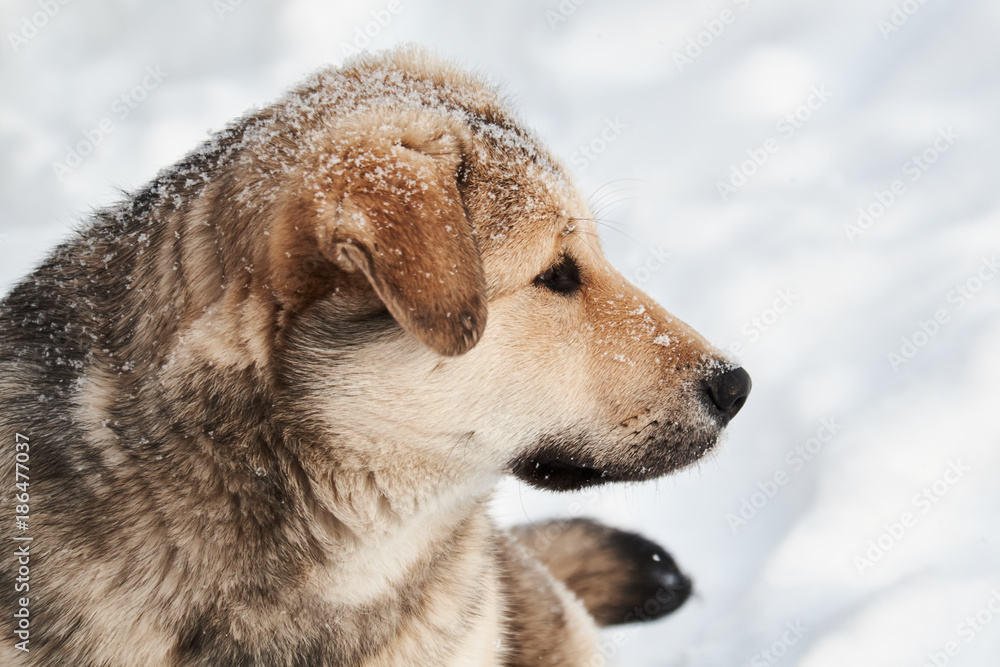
[368, 498]
[382, 527]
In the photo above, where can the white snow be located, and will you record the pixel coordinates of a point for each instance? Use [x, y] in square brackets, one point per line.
[662, 339]
[825, 113]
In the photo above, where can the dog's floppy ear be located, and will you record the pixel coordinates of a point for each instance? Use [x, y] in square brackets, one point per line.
[387, 204]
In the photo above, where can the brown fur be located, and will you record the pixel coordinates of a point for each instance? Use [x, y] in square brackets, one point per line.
[269, 395]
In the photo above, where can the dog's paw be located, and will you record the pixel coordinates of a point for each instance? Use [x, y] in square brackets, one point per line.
[620, 577]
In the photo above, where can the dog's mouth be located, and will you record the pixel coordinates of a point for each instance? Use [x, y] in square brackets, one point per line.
[555, 473]
[562, 466]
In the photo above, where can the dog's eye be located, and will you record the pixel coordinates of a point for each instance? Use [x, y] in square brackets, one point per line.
[563, 277]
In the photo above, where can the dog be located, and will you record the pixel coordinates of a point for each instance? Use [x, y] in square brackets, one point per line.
[257, 409]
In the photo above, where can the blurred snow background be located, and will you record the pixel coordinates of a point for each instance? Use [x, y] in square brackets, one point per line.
[668, 98]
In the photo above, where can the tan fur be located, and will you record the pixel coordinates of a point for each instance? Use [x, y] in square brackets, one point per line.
[300, 361]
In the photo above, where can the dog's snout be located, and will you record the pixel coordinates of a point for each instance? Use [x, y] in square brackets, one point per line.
[728, 391]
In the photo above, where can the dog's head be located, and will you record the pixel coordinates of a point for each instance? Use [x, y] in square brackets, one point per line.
[447, 306]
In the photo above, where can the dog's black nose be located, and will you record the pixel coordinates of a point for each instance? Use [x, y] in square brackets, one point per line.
[728, 391]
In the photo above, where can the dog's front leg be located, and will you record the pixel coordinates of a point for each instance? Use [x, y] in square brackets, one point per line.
[545, 624]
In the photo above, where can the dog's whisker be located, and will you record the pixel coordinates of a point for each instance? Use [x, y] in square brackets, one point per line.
[593, 240]
[610, 199]
[611, 206]
[614, 181]
[611, 226]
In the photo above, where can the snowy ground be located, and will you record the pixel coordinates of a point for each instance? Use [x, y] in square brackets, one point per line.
[905, 451]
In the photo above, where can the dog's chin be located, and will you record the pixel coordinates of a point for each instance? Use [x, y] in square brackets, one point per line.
[554, 473]
[563, 467]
